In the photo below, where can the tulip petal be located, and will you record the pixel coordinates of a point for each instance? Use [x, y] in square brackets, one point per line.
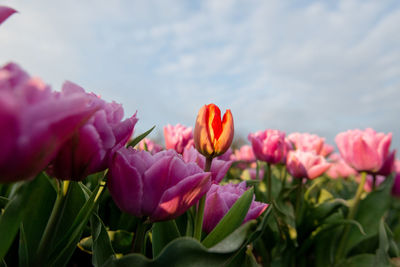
[5, 12]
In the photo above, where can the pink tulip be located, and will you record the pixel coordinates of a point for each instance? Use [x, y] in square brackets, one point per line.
[369, 182]
[178, 137]
[326, 150]
[91, 148]
[160, 186]
[35, 122]
[339, 167]
[149, 145]
[245, 153]
[5, 12]
[269, 145]
[253, 173]
[218, 170]
[307, 142]
[226, 156]
[364, 150]
[305, 164]
[221, 198]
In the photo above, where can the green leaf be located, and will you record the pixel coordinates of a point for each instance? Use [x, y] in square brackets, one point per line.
[162, 234]
[101, 245]
[232, 220]
[370, 210]
[362, 260]
[64, 249]
[139, 138]
[35, 221]
[21, 201]
[181, 252]
[382, 256]
[3, 202]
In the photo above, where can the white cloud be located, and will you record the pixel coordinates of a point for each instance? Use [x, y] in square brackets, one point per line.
[316, 66]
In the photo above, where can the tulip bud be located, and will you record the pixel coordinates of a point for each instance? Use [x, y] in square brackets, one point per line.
[212, 137]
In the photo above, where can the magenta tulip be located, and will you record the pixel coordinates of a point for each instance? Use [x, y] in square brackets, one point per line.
[5, 12]
[91, 148]
[307, 142]
[218, 170]
[160, 186]
[306, 164]
[364, 150]
[149, 145]
[339, 167]
[269, 145]
[221, 198]
[37, 122]
[178, 137]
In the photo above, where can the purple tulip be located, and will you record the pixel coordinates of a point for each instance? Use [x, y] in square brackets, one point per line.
[91, 148]
[306, 164]
[178, 137]
[388, 164]
[269, 146]
[149, 145]
[307, 142]
[219, 168]
[37, 122]
[160, 186]
[221, 198]
[5, 12]
[396, 184]
[364, 150]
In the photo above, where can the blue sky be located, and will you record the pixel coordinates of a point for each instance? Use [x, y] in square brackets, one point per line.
[308, 66]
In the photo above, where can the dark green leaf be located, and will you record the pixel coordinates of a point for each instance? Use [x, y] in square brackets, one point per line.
[20, 202]
[362, 260]
[162, 234]
[102, 249]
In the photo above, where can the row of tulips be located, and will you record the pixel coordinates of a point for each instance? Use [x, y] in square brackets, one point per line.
[77, 189]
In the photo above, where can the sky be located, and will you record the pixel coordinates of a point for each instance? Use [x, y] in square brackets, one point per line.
[298, 66]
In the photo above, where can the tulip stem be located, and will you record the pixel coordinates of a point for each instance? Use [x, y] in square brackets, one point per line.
[373, 182]
[283, 176]
[48, 233]
[269, 182]
[350, 216]
[299, 201]
[139, 245]
[198, 223]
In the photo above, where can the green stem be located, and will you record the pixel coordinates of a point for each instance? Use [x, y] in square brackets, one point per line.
[283, 176]
[373, 182]
[48, 233]
[299, 201]
[269, 182]
[139, 245]
[198, 223]
[350, 216]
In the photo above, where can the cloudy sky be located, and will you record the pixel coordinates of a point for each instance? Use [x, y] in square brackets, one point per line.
[308, 66]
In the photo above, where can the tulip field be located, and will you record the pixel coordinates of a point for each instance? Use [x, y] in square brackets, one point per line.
[80, 187]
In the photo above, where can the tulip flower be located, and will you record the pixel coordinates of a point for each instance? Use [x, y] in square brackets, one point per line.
[221, 198]
[218, 170]
[326, 150]
[226, 156]
[244, 156]
[35, 121]
[213, 136]
[388, 164]
[5, 12]
[307, 142]
[364, 150]
[91, 148]
[339, 167]
[269, 145]
[160, 186]
[149, 145]
[178, 137]
[305, 164]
